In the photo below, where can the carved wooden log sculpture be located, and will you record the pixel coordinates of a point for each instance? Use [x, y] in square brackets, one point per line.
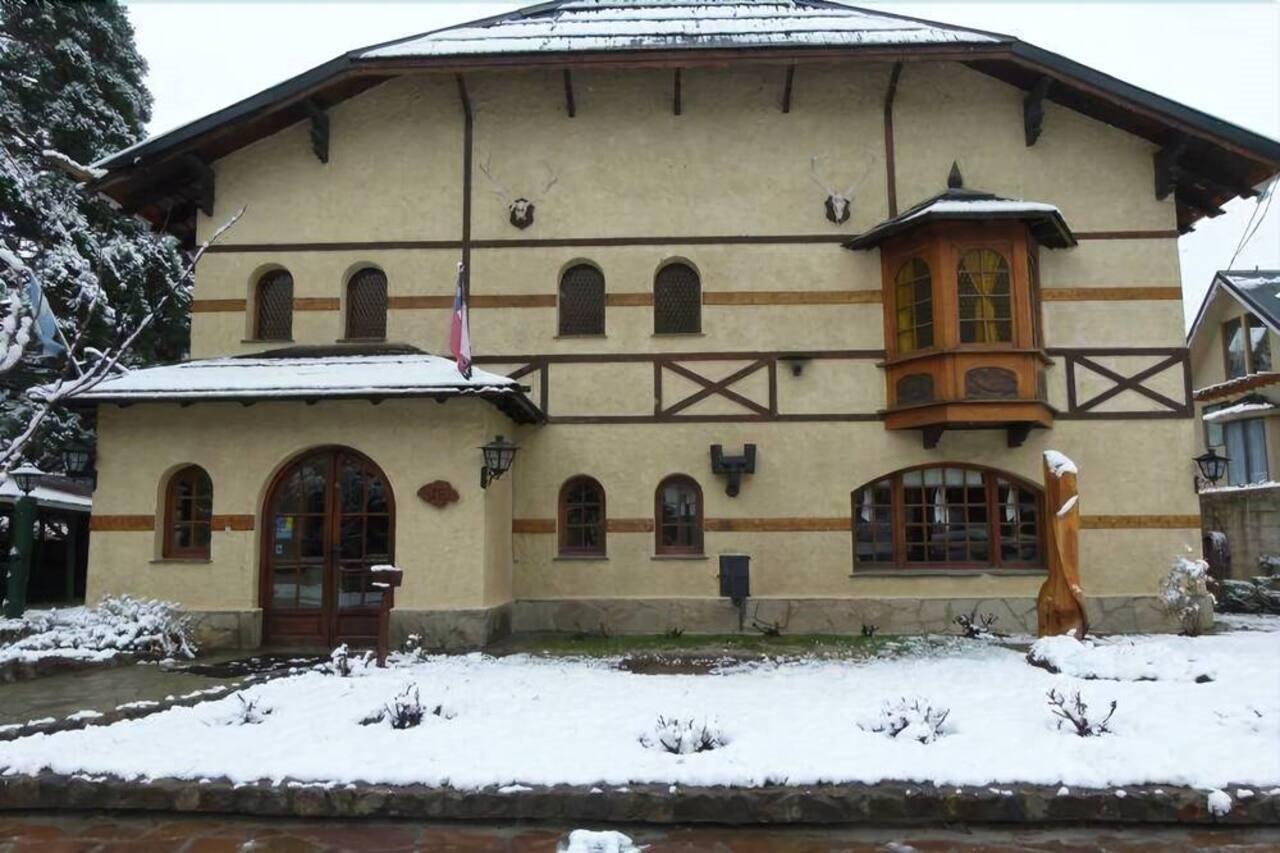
[1060, 605]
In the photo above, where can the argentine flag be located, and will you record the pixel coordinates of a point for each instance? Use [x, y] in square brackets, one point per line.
[46, 325]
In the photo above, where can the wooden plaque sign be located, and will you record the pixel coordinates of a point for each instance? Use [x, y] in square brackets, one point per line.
[438, 493]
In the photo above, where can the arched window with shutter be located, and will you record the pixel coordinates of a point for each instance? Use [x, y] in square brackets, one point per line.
[582, 518]
[677, 300]
[188, 514]
[582, 301]
[678, 516]
[273, 306]
[367, 305]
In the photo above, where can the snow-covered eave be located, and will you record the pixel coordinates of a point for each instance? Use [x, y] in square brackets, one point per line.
[1046, 220]
[1222, 281]
[1266, 485]
[1240, 411]
[1234, 386]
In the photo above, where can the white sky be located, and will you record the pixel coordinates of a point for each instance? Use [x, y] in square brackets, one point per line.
[1220, 57]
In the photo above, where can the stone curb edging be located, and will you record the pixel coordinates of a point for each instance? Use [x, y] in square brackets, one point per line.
[27, 670]
[887, 803]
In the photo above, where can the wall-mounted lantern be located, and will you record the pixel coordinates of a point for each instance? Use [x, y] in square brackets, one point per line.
[77, 461]
[733, 466]
[1212, 466]
[498, 455]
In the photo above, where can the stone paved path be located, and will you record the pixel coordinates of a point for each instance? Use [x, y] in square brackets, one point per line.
[108, 833]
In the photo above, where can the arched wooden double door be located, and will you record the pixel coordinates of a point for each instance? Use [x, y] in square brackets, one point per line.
[329, 518]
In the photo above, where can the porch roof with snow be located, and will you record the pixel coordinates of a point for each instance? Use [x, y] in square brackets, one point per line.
[1045, 220]
[165, 178]
[310, 378]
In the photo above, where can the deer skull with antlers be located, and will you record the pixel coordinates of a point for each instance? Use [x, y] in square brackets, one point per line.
[520, 208]
[839, 204]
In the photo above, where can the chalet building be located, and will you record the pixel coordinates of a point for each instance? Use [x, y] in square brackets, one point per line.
[777, 279]
[1237, 391]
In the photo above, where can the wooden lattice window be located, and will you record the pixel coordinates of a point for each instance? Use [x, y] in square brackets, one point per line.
[273, 308]
[582, 301]
[1246, 347]
[678, 516]
[188, 514]
[582, 518]
[948, 517]
[367, 305]
[986, 300]
[677, 300]
[913, 302]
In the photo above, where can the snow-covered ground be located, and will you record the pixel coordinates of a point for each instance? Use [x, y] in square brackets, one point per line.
[523, 721]
[116, 626]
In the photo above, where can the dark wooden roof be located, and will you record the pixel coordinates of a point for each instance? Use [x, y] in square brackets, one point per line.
[1206, 161]
[1044, 220]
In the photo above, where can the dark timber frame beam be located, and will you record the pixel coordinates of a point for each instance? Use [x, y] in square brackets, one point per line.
[1033, 109]
[786, 89]
[569, 105]
[891, 173]
[468, 144]
[1167, 165]
[677, 105]
[319, 130]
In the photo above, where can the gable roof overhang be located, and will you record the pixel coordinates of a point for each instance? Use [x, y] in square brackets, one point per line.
[1207, 161]
[1256, 290]
[1044, 221]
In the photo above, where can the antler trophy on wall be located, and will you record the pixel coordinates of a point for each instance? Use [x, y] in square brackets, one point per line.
[839, 203]
[521, 207]
[1060, 605]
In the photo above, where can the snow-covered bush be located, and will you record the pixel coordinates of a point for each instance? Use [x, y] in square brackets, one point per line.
[684, 736]
[340, 660]
[143, 626]
[1219, 803]
[1184, 593]
[1075, 711]
[977, 627]
[586, 841]
[405, 710]
[249, 713]
[913, 719]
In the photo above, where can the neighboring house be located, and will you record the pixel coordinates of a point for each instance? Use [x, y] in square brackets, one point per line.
[1235, 347]
[986, 268]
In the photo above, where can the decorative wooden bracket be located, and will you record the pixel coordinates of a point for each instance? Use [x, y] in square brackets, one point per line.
[1016, 434]
[319, 131]
[203, 180]
[1167, 166]
[931, 435]
[733, 466]
[1033, 110]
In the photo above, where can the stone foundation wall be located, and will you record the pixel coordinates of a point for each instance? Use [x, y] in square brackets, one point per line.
[451, 629]
[226, 629]
[1251, 520]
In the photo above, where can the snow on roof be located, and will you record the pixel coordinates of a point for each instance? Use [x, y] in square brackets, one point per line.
[238, 378]
[587, 25]
[1047, 222]
[47, 495]
[1257, 290]
[1240, 410]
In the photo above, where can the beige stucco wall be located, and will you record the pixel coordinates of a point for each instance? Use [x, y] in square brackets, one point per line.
[731, 165]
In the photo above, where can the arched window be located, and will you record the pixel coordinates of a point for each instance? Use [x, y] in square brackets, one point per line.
[188, 514]
[986, 305]
[678, 516]
[582, 518]
[582, 301]
[950, 517]
[677, 300]
[913, 301]
[367, 305]
[273, 306]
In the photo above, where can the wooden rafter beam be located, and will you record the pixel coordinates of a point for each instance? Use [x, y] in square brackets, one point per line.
[1033, 109]
[319, 130]
[677, 96]
[786, 89]
[570, 106]
[1166, 161]
[203, 181]
[1199, 200]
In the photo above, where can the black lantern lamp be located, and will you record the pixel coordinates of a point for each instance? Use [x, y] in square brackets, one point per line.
[26, 477]
[1212, 466]
[77, 460]
[498, 456]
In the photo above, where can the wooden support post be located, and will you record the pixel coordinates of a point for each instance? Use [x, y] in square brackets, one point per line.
[1033, 110]
[319, 131]
[786, 90]
[569, 105]
[1060, 604]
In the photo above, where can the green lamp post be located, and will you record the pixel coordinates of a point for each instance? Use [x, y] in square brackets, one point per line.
[22, 540]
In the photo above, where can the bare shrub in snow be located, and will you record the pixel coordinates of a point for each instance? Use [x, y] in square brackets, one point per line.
[405, 711]
[1075, 711]
[914, 719]
[1184, 593]
[977, 627]
[684, 736]
[340, 660]
[249, 713]
[869, 631]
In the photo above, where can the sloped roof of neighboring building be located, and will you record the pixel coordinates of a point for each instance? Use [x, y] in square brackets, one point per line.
[285, 376]
[589, 25]
[1210, 161]
[1257, 290]
[1045, 220]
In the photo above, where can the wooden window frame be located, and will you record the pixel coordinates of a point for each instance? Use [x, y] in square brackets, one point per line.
[697, 275]
[1245, 323]
[562, 519]
[258, 288]
[1003, 256]
[348, 332]
[914, 306]
[169, 549]
[698, 549]
[990, 481]
[1251, 321]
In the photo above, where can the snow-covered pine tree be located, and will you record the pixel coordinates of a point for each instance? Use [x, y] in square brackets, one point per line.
[71, 81]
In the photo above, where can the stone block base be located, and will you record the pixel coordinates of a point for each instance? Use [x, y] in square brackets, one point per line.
[226, 629]
[1110, 615]
[451, 630]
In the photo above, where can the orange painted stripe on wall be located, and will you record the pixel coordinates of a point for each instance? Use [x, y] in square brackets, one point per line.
[1109, 294]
